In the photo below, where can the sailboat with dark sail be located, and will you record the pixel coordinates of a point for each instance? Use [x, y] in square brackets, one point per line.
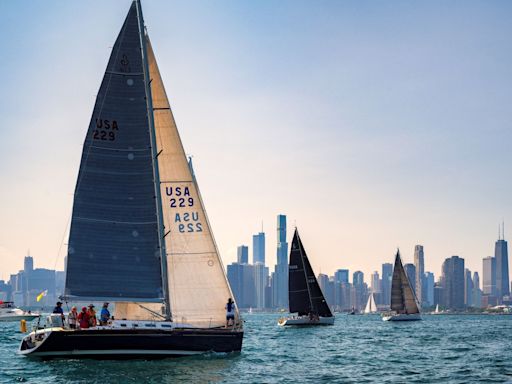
[404, 306]
[139, 235]
[304, 294]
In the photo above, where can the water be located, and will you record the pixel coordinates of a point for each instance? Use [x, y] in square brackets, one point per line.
[362, 349]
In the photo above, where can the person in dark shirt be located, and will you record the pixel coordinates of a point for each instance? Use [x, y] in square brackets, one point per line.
[58, 308]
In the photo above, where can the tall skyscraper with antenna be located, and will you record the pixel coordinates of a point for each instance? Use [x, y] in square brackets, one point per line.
[419, 263]
[501, 256]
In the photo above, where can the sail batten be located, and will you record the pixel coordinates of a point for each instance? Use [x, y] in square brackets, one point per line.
[304, 294]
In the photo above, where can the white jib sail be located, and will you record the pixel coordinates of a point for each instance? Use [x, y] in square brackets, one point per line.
[198, 287]
[371, 307]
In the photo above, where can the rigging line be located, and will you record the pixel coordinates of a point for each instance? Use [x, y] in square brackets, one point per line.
[57, 258]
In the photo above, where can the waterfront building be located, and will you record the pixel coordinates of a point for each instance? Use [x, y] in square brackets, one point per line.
[428, 292]
[502, 275]
[387, 275]
[341, 276]
[241, 280]
[489, 276]
[375, 287]
[453, 283]
[242, 254]
[420, 272]
[477, 293]
[280, 281]
[258, 248]
[410, 271]
[260, 283]
[468, 288]
[359, 291]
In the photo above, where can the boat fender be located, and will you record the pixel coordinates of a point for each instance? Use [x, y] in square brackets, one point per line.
[23, 326]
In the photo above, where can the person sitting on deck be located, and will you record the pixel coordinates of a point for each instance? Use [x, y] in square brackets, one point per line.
[104, 314]
[230, 313]
[92, 316]
[73, 318]
[83, 318]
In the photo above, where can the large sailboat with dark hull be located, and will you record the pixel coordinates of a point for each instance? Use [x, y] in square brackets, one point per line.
[139, 235]
[305, 296]
[404, 306]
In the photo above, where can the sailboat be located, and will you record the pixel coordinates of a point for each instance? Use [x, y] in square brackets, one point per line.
[371, 307]
[304, 294]
[436, 312]
[404, 306]
[139, 235]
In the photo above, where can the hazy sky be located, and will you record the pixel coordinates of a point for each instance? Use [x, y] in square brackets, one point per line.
[370, 124]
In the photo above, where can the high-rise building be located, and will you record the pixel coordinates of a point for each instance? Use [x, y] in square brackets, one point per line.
[280, 280]
[242, 254]
[28, 265]
[260, 283]
[410, 271]
[282, 245]
[468, 289]
[375, 283]
[428, 292]
[489, 276]
[420, 272]
[341, 276]
[241, 280]
[477, 293]
[359, 290]
[258, 248]
[502, 276]
[453, 282]
[387, 275]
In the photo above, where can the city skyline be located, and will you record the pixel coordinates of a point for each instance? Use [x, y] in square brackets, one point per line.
[373, 127]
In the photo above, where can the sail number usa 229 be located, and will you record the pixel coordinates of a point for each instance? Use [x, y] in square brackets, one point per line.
[180, 200]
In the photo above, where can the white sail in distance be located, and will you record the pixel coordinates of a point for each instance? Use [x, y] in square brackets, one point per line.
[371, 307]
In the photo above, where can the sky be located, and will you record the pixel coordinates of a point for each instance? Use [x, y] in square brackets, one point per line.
[372, 125]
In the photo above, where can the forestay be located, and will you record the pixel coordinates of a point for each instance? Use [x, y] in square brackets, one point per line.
[113, 250]
[304, 293]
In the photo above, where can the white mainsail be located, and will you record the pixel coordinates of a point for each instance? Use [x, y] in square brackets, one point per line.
[198, 287]
[371, 307]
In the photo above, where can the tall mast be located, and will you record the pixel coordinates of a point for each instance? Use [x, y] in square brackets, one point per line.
[156, 174]
[305, 273]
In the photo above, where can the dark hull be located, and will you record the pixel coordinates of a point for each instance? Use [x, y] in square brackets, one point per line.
[128, 343]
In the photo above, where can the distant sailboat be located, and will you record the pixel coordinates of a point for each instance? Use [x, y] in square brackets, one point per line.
[436, 312]
[371, 307]
[304, 294]
[139, 235]
[404, 306]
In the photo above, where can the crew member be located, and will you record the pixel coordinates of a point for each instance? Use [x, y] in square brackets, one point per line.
[104, 314]
[230, 313]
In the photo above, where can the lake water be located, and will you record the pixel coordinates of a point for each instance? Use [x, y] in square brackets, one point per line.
[362, 349]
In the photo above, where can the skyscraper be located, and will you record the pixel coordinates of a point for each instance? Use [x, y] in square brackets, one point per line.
[375, 283]
[258, 248]
[359, 290]
[341, 276]
[502, 276]
[428, 294]
[410, 271]
[477, 293]
[242, 253]
[282, 245]
[420, 272]
[468, 289]
[387, 275]
[280, 281]
[489, 276]
[260, 283]
[453, 282]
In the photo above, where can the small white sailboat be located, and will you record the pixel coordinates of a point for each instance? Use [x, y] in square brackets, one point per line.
[304, 294]
[9, 312]
[371, 307]
[436, 311]
[404, 306]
